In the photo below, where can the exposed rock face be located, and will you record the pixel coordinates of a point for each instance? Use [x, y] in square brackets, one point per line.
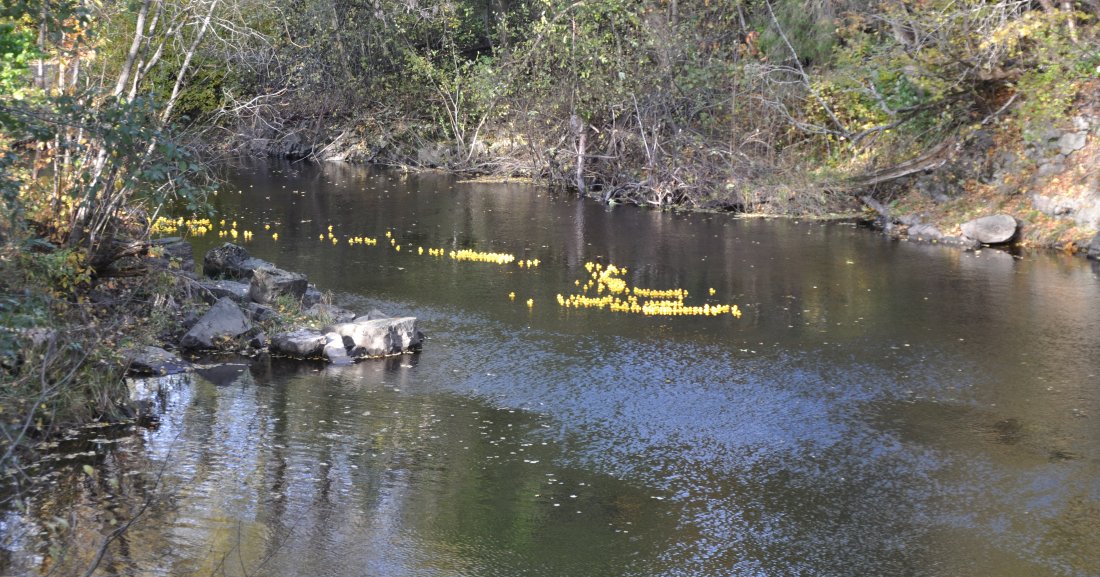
[1094, 247]
[155, 361]
[270, 283]
[993, 229]
[299, 343]
[232, 262]
[223, 321]
[380, 337]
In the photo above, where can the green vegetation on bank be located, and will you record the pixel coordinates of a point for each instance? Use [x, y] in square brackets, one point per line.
[745, 104]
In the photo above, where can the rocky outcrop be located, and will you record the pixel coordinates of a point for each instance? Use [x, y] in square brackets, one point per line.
[995, 229]
[358, 339]
[350, 336]
[379, 337]
[270, 283]
[1094, 247]
[223, 322]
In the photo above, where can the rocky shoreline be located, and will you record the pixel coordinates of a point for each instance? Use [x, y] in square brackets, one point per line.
[250, 299]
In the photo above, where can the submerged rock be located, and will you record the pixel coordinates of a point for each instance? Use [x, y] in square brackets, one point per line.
[299, 343]
[270, 283]
[155, 361]
[223, 321]
[380, 337]
[993, 229]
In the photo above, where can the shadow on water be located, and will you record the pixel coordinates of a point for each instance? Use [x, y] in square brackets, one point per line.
[881, 408]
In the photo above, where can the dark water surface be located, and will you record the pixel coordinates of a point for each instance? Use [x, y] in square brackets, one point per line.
[880, 409]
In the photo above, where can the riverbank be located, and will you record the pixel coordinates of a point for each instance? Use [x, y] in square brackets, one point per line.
[1047, 183]
[66, 355]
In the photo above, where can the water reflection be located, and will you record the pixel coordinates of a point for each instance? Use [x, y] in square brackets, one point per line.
[881, 408]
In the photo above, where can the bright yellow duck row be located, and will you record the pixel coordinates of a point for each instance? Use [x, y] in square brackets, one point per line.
[472, 255]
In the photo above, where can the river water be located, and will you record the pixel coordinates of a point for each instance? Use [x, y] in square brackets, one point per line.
[880, 408]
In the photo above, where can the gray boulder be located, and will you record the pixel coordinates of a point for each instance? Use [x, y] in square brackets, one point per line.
[379, 337]
[335, 350]
[223, 321]
[1094, 247]
[232, 262]
[993, 229]
[331, 313]
[299, 343]
[270, 283]
[155, 361]
[217, 289]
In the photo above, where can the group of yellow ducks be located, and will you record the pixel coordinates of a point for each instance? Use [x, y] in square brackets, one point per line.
[201, 226]
[611, 291]
[658, 302]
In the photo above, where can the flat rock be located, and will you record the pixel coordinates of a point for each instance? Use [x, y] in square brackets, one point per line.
[223, 321]
[331, 313]
[1094, 247]
[993, 229]
[270, 283]
[217, 289]
[232, 262]
[151, 360]
[380, 337]
[299, 343]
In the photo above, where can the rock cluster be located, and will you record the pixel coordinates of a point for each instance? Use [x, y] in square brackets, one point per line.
[243, 290]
